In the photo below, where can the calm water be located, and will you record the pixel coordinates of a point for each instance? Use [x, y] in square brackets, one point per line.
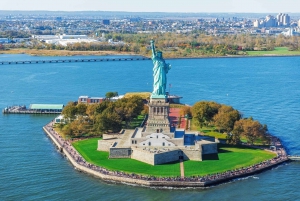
[268, 89]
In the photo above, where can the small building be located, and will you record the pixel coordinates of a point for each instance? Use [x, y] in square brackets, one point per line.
[5, 40]
[59, 119]
[88, 100]
[174, 99]
[106, 22]
[51, 108]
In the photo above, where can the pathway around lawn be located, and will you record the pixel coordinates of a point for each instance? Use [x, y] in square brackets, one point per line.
[181, 168]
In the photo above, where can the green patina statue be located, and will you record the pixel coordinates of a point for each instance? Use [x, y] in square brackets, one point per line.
[160, 70]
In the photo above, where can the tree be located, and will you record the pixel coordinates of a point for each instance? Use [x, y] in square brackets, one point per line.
[253, 130]
[186, 110]
[225, 118]
[91, 111]
[70, 111]
[108, 121]
[235, 136]
[111, 94]
[129, 108]
[81, 109]
[204, 111]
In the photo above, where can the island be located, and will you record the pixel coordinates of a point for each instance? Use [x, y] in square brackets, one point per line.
[173, 145]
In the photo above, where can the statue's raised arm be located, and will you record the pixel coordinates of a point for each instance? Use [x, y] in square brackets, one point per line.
[153, 48]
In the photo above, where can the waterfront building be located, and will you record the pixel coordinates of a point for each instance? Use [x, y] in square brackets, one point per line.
[88, 100]
[46, 107]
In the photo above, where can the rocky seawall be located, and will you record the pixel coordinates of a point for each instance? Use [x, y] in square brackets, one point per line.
[80, 164]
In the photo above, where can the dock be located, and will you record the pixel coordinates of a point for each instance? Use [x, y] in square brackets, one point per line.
[72, 60]
[294, 158]
[34, 109]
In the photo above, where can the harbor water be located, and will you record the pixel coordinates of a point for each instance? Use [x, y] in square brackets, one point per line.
[265, 88]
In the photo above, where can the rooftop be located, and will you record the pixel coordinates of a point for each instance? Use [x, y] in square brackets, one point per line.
[46, 106]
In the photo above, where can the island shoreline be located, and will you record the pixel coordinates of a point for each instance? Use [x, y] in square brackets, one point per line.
[113, 176]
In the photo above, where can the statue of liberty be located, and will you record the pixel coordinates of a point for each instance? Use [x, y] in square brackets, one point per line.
[160, 70]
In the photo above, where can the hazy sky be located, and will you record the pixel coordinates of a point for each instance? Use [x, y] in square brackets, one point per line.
[253, 6]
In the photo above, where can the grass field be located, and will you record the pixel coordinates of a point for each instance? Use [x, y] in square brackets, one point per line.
[136, 122]
[276, 51]
[87, 148]
[144, 95]
[228, 158]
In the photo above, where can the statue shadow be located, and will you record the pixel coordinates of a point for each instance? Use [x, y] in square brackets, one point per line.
[210, 157]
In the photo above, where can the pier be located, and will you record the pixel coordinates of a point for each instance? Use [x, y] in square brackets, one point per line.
[294, 158]
[34, 109]
[72, 60]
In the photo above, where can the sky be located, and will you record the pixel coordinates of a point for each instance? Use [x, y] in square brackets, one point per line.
[227, 6]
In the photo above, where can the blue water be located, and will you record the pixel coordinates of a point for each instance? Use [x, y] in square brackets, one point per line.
[268, 89]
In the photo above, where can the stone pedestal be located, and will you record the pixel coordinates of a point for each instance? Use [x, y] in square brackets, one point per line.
[158, 119]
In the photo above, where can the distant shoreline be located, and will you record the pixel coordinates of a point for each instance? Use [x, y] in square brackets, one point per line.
[57, 53]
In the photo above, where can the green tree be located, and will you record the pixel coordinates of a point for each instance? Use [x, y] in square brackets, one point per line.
[81, 109]
[108, 121]
[91, 111]
[70, 111]
[111, 94]
[204, 111]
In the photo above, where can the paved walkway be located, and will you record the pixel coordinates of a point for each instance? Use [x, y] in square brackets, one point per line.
[174, 116]
[181, 168]
[125, 138]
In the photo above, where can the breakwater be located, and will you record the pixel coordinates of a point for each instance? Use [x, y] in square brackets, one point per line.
[80, 164]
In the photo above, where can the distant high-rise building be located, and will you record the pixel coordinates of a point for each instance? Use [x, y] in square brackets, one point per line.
[256, 23]
[286, 20]
[283, 19]
[270, 21]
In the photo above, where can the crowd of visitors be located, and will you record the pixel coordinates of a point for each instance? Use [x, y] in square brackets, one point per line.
[231, 174]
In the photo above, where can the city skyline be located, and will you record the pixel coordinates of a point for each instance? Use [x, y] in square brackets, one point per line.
[213, 6]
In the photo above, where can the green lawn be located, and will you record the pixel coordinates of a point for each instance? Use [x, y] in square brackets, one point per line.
[209, 131]
[136, 122]
[88, 149]
[276, 51]
[228, 158]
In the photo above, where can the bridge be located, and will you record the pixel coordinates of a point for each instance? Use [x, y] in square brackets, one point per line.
[294, 158]
[72, 60]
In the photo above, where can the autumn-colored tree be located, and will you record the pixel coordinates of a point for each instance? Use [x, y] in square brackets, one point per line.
[225, 118]
[204, 111]
[81, 109]
[185, 110]
[252, 129]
